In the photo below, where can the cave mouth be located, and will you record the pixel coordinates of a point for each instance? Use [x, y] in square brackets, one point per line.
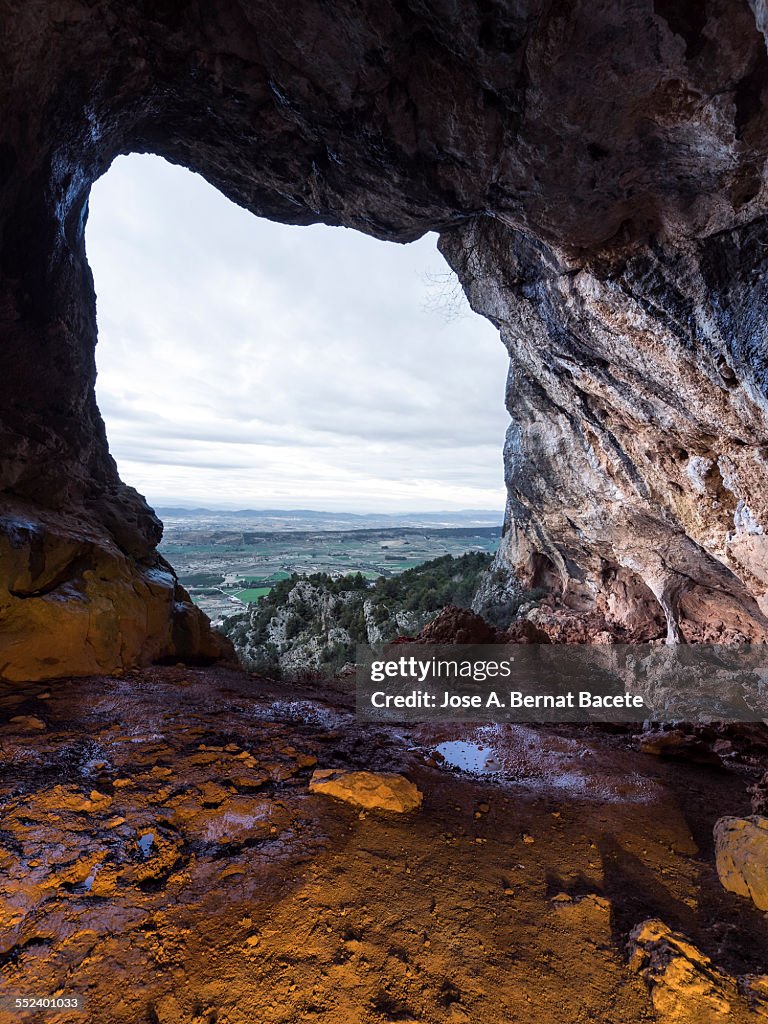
[620, 256]
[597, 176]
[248, 364]
[249, 369]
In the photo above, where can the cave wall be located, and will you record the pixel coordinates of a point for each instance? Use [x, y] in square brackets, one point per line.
[596, 171]
[636, 459]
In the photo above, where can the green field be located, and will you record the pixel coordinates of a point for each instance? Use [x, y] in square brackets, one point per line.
[252, 594]
[203, 579]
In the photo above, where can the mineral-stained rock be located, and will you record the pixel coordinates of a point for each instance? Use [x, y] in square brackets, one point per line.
[76, 604]
[686, 987]
[455, 625]
[69, 798]
[159, 856]
[591, 902]
[236, 820]
[755, 989]
[27, 723]
[741, 851]
[373, 791]
[109, 892]
[597, 176]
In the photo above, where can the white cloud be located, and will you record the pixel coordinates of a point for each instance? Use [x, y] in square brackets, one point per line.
[243, 362]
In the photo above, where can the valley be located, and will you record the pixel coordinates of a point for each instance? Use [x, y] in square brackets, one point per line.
[228, 560]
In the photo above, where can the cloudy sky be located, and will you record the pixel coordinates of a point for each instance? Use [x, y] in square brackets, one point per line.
[247, 364]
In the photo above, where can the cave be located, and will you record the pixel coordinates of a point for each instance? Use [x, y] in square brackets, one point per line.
[618, 248]
[596, 174]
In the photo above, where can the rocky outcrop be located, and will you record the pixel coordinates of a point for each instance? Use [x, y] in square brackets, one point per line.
[596, 174]
[78, 604]
[311, 626]
[741, 850]
[635, 450]
[457, 626]
[499, 595]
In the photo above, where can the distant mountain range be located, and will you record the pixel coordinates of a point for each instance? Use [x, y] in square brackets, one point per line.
[310, 519]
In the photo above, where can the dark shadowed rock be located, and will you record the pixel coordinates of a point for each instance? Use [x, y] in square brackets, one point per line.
[455, 625]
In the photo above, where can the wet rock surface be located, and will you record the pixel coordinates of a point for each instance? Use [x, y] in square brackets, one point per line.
[162, 854]
[597, 177]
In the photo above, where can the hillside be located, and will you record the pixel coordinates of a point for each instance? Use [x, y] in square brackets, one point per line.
[314, 623]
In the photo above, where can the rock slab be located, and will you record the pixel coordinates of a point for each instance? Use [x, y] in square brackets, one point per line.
[372, 791]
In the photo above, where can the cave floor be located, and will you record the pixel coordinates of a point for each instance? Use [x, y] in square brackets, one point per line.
[162, 856]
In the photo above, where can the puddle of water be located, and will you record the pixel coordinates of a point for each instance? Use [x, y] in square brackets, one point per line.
[470, 757]
[572, 782]
[518, 757]
[145, 844]
[92, 877]
[232, 825]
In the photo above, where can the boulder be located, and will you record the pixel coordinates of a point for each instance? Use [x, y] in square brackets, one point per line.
[454, 625]
[372, 791]
[741, 855]
[686, 987]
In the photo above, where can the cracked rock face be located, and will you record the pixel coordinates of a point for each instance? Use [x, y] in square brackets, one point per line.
[596, 173]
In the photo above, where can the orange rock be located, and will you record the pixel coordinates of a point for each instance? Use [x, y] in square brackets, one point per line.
[373, 791]
[686, 987]
[741, 854]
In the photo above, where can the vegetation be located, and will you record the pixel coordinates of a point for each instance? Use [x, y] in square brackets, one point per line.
[433, 585]
[322, 618]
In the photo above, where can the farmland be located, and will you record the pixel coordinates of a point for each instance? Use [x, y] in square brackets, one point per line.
[225, 569]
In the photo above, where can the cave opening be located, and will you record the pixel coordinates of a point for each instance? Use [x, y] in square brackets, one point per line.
[257, 376]
[330, 368]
